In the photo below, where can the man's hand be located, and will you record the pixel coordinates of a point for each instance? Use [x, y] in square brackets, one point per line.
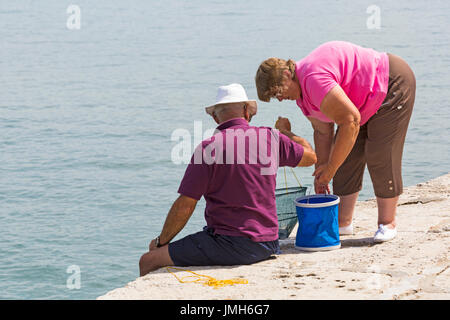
[283, 124]
[152, 245]
[176, 219]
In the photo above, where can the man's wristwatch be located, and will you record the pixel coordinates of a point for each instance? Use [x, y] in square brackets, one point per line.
[158, 243]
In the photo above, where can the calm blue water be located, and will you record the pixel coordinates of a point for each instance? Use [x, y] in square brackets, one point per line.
[86, 116]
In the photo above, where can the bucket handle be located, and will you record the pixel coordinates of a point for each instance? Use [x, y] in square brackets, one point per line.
[309, 193]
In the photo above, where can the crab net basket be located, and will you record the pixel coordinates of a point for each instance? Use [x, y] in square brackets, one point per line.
[286, 211]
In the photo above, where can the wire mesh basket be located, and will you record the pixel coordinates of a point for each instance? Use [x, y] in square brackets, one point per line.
[286, 212]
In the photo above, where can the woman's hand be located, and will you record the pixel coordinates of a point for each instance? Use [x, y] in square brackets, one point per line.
[320, 188]
[323, 175]
[283, 124]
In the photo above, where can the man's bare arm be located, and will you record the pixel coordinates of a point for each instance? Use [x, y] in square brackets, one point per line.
[178, 216]
[309, 156]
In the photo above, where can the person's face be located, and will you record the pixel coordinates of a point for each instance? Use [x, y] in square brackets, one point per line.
[291, 89]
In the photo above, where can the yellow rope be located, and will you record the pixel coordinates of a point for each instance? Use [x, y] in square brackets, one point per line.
[206, 280]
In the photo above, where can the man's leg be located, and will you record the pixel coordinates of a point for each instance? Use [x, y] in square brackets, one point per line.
[155, 259]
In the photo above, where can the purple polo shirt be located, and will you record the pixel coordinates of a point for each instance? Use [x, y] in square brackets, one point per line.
[235, 170]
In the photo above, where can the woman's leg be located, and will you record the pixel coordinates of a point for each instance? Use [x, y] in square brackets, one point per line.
[386, 132]
[348, 179]
[386, 211]
[347, 208]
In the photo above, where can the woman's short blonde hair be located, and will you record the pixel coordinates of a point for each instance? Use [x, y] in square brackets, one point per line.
[269, 77]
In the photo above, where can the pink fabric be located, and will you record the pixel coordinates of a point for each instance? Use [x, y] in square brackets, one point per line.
[362, 73]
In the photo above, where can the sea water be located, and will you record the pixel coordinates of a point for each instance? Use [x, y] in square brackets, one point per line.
[88, 108]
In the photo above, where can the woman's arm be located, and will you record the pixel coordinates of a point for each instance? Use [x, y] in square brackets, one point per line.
[339, 108]
[323, 141]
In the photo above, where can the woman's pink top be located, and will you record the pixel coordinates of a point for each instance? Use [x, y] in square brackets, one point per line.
[362, 73]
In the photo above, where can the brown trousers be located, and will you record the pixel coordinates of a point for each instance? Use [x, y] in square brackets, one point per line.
[380, 140]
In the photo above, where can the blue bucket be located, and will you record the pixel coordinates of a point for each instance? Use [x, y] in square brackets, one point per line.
[318, 227]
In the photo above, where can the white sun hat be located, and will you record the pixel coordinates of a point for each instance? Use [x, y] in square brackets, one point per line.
[233, 93]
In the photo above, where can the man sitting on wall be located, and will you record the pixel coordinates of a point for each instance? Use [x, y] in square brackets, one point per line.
[235, 171]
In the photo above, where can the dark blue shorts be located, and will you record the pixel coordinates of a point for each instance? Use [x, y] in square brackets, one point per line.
[205, 248]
